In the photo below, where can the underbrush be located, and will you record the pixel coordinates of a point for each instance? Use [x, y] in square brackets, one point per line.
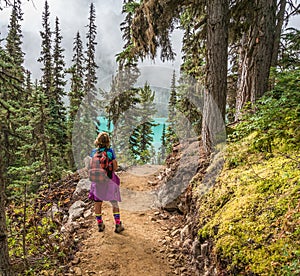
[252, 215]
[35, 239]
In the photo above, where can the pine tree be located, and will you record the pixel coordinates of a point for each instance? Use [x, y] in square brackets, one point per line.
[14, 37]
[256, 55]
[58, 109]
[46, 57]
[170, 134]
[90, 62]
[6, 83]
[163, 147]
[16, 73]
[123, 96]
[142, 138]
[76, 93]
[45, 95]
[85, 126]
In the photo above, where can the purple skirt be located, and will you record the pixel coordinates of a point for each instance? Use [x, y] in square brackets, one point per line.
[106, 191]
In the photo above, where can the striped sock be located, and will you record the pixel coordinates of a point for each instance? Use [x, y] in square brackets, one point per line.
[117, 218]
[99, 218]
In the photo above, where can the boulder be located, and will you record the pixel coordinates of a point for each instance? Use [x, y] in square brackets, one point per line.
[83, 185]
[76, 210]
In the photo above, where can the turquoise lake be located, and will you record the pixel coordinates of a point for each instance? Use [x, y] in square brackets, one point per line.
[157, 130]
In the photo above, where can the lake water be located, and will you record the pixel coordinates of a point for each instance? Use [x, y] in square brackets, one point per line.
[157, 130]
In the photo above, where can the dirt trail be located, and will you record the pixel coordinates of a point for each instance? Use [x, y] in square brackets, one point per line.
[137, 250]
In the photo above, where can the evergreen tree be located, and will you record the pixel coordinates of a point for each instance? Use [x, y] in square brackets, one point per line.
[46, 56]
[14, 37]
[59, 109]
[256, 55]
[163, 147]
[39, 120]
[47, 94]
[90, 62]
[151, 28]
[7, 107]
[123, 94]
[16, 73]
[85, 125]
[142, 137]
[76, 93]
[190, 105]
[170, 135]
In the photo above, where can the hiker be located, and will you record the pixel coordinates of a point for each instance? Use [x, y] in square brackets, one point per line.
[108, 189]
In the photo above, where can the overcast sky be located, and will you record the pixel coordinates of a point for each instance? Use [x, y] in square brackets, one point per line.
[73, 16]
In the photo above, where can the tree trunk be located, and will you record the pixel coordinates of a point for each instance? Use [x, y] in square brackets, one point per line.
[256, 60]
[5, 267]
[216, 75]
[278, 31]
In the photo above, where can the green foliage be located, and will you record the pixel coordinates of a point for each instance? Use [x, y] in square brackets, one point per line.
[289, 56]
[251, 216]
[276, 118]
[131, 6]
[142, 136]
[43, 241]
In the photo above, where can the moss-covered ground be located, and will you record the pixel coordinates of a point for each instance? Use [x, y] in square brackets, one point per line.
[252, 215]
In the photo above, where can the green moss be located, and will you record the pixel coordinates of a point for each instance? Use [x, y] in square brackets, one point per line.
[253, 212]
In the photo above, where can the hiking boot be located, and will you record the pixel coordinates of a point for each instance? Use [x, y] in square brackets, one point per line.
[119, 228]
[101, 227]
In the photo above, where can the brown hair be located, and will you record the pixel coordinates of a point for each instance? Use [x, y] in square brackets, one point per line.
[102, 140]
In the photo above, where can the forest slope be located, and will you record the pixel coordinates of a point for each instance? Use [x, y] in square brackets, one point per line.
[251, 218]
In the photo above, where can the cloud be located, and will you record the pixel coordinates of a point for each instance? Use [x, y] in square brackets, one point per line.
[73, 17]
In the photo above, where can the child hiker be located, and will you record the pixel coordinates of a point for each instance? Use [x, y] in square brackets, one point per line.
[109, 189]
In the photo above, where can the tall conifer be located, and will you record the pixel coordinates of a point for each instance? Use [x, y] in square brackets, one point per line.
[76, 93]
[59, 109]
[90, 62]
[76, 70]
[170, 135]
[46, 56]
[142, 137]
[14, 36]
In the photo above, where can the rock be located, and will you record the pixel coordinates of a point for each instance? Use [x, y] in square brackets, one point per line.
[187, 243]
[67, 228]
[181, 207]
[87, 213]
[204, 249]
[164, 216]
[75, 261]
[196, 250]
[168, 239]
[184, 232]
[171, 256]
[76, 210]
[183, 269]
[152, 183]
[77, 271]
[175, 233]
[164, 242]
[83, 185]
[53, 210]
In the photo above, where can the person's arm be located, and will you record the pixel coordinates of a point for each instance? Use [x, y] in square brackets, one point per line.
[114, 160]
[115, 165]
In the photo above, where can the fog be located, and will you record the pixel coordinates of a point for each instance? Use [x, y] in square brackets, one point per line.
[73, 16]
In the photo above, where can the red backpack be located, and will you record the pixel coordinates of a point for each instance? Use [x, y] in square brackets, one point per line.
[100, 168]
